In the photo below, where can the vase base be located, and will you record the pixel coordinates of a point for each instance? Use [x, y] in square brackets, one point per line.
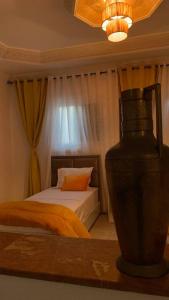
[151, 271]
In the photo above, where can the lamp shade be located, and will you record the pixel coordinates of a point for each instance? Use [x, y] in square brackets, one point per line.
[117, 19]
[117, 30]
[118, 10]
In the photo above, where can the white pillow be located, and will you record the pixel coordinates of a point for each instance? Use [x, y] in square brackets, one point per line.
[72, 171]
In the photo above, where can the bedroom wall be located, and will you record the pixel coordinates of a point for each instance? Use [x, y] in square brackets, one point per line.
[14, 148]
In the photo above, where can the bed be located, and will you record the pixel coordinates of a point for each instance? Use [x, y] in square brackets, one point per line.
[85, 204]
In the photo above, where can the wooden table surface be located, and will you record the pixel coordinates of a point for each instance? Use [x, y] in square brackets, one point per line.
[77, 261]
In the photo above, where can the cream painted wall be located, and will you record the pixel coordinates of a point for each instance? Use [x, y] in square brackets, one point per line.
[14, 148]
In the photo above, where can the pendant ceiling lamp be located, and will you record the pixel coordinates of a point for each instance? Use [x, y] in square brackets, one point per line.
[117, 19]
[114, 16]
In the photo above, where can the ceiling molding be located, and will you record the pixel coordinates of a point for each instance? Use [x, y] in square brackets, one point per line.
[19, 54]
[134, 44]
[91, 50]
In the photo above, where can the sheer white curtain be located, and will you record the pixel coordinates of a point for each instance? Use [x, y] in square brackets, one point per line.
[82, 117]
[163, 78]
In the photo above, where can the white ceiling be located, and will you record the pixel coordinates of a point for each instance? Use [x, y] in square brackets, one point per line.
[42, 25]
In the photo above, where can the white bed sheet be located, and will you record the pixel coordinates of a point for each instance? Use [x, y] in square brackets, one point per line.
[82, 203]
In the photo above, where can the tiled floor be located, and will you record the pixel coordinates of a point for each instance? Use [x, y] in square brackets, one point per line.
[102, 229]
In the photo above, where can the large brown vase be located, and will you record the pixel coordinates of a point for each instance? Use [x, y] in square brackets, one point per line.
[138, 180]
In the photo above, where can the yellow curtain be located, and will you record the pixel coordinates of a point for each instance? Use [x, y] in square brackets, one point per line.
[137, 77]
[32, 100]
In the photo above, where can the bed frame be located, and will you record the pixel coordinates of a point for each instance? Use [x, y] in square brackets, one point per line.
[80, 162]
[76, 162]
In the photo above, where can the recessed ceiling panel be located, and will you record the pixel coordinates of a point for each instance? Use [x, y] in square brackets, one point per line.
[90, 11]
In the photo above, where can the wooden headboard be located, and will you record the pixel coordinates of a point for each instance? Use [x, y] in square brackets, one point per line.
[76, 162]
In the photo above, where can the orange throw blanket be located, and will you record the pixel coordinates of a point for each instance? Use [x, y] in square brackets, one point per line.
[56, 218]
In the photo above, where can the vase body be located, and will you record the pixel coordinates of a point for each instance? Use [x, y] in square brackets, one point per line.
[138, 180]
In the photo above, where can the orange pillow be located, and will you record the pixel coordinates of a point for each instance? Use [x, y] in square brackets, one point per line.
[75, 183]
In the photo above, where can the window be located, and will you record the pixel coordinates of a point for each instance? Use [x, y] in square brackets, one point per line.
[76, 128]
[70, 130]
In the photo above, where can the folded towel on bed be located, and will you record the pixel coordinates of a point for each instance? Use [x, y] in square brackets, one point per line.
[54, 217]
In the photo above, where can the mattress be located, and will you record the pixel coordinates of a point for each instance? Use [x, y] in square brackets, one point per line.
[83, 204]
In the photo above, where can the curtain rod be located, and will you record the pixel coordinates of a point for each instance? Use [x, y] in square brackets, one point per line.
[86, 74]
[60, 77]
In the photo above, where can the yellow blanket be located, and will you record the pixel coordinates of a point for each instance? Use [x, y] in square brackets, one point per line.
[56, 218]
